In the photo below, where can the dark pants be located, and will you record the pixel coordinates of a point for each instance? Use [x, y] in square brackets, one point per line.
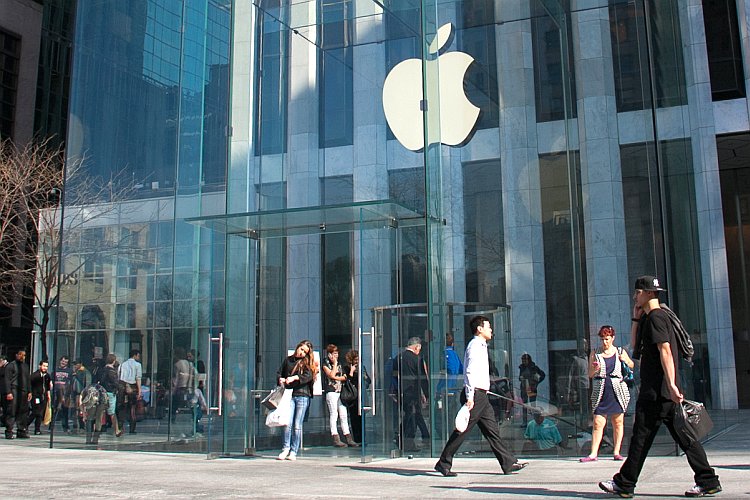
[17, 414]
[37, 412]
[356, 422]
[126, 406]
[413, 418]
[93, 423]
[482, 415]
[61, 413]
[648, 418]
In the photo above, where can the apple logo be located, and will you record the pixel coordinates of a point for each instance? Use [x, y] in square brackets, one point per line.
[402, 96]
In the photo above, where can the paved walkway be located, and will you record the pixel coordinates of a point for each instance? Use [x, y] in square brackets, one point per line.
[60, 473]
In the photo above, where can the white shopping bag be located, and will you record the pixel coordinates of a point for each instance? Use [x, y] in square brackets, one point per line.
[281, 415]
[462, 418]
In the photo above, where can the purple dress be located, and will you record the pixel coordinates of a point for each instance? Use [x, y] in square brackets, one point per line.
[609, 404]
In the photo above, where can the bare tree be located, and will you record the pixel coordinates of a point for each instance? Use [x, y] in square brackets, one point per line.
[38, 219]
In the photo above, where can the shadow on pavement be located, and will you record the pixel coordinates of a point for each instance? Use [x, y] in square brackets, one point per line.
[732, 467]
[389, 470]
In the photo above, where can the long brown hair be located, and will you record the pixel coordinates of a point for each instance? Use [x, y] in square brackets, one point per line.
[306, 363]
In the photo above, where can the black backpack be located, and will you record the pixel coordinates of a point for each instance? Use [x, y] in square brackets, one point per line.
[682, 337]
[681, 334]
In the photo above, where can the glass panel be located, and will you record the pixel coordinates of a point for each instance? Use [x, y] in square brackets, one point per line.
[723, 47]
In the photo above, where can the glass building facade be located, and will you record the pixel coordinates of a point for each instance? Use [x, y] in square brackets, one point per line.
[563, 148]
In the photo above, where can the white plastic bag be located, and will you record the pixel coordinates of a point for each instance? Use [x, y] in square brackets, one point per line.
[462, 418]
[281, 415]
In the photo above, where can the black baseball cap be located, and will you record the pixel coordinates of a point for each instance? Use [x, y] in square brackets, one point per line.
[648, 284]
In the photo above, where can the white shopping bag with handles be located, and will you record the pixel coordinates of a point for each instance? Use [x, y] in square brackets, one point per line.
[462, 418]
[281, 415]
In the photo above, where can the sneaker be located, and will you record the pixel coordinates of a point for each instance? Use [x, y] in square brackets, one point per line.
[292, 456]
[588, 459]
[611, 487]
[283, 454]
[700, 491]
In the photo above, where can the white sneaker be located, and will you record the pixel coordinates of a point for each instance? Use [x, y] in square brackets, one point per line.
[700, 491]
[284, 453]
[292, 456]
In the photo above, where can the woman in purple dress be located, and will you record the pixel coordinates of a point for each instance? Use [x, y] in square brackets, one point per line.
[610, 395]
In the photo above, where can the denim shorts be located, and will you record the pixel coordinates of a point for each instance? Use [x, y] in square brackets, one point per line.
[112, 406]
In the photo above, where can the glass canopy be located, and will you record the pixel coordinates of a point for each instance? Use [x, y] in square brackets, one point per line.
[313, 220]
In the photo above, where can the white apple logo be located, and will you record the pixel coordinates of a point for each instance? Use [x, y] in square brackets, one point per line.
[402, 95]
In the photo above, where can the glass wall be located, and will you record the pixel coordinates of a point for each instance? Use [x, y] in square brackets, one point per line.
[271, 187]
[148, 123]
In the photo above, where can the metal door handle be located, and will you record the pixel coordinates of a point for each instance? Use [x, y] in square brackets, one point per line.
[220, 387]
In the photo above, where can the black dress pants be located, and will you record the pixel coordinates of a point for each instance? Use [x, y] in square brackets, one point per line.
[18, 414]
[482, 415]
[648, 418]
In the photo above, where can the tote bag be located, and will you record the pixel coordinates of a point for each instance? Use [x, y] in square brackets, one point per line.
[272, 400]
[283, 413]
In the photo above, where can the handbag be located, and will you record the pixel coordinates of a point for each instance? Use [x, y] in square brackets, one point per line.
[627, 373]
[349, 393]
[139, 409]
[47, 414]
[281, 416]
[691, 421]
[274, 397]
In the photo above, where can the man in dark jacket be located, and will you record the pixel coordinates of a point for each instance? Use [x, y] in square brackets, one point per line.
[41, 387]
[411, 371]
[3, 363]
[17, 397]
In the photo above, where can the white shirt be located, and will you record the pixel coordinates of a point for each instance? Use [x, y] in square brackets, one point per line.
[130, 371]
[477, 367]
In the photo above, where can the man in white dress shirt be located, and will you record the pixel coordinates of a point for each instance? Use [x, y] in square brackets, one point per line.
[474, 396]
[131, 373]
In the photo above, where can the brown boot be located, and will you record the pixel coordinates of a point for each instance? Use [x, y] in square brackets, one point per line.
[337, 441]
[350, 441]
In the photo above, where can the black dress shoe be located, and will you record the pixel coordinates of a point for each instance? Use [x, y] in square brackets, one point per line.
[516, 467]
[23, 436]
[10, 436]
[446, 472]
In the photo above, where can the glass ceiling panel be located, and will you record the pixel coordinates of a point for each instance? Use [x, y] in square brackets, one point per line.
[304, 19]
[312, 220]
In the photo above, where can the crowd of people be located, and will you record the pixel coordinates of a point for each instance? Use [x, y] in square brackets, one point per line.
[79, 399]
[84, 400]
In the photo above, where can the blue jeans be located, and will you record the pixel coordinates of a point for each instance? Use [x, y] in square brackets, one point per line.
[293, 431]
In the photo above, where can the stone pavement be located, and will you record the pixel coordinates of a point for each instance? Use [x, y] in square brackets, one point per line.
[61, 473]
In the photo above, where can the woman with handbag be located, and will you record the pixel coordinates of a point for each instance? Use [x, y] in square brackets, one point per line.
[352, 377]
[297, 372]
[610, 395]
[332, 382]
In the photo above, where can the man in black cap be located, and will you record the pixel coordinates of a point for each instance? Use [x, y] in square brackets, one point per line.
[659, 395]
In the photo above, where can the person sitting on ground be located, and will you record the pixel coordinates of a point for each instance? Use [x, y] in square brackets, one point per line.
[543, 432]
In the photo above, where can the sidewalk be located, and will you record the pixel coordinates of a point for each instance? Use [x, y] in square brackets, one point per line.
[59, 473]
